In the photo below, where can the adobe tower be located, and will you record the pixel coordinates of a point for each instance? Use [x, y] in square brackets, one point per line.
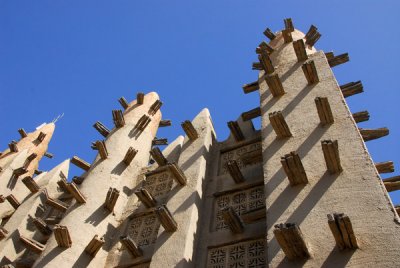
[301, 192]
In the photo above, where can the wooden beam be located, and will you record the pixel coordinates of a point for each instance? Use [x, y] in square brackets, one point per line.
[266, 63]
[158, 156]
[361, 116]
[279, 124]
[155, 107]
[48, 155]
[331, 155]
[159, 141]
[310, 72]
[294, 169]
[13, 146]
[392, 179]
[76, 193]
[13, 201]
[62, 236]
[253, 113]
[342, 231]
[252, 157]
[41, 136]
[233, 220]
[80, 163]
[178, 174]
[19, 171]
[118, 118]
[269, 34]
[57, 204]
[123, 103]
[324, 110]
[32, 244]
[300, 50]
[263, 47]
[129, 156]
[101, 147]
[392, 186]
[131, 246]
[234, 170]
[253, 86]
[274, 84]
[256, 66]
[385, 167]
[31, 184]
[312, 36]
[111, 199]
[101, 129]
[146, 198]
[288, 24]
[22, 132]
[339, 59]
[143, 122]
[94, 245]
[372, 134]
[189, 129]
[235, 130]
[254, 215]
[291, 240]
[42, 226]
[140, 98]
[3, 233]
[165, 123]
[352, 88]
[166, 219]
[287, 36]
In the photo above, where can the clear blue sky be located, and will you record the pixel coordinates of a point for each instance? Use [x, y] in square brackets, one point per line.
[79, 57]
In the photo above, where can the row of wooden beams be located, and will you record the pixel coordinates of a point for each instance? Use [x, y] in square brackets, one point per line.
[233, 220]
[342, 231]
[251, 87]
[279, 124]
[324, 110]
[94, 245]
[294, 169]
[62, 236]
[253, 113]
[361, 116]
[189, 129]
[111, 199]
[103, 130]
[352, 88]
[310, 72]
[235, 130]
[372, 134]
[275, 85]
[300, 50]
[291, 240]
[331, 155]
[155, 107]
[143, 122]
[166, 219]
[80, 163]
[339, 59]
[118, 118]
[31, 184]
[312, 36]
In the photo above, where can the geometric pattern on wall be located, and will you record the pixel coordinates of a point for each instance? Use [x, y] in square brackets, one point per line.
[144, 229]
[242, 254]
[235, 154]
[241, 201]
[159, 184]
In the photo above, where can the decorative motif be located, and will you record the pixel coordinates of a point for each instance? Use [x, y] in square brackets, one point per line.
[241, 202]
[144, 229]
[243, 254]
[235, 155]
[159, 184]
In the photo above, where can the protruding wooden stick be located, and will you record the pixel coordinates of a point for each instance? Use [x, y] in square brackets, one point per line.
[385, 167]
[331, 154]
[263, 47]
[372, 134]
[13, 146]
[129, 156]
[78, 180]
[288, 24]
[146, 198]
[48, 155]
[339, 59]
[123, 103]
[37, 172]
[342, 231]
[253, 86]
[101, 129]
[166, 219]
[274, 84]
[310, 72]
[233, 220]
[94, 245]
[131, 246]
[158, 156]
[19, 171]
[41, 226]
[329, 55]
[101, 147]
[266, 63]
[324, 110]
[294, 169]
[189, 129]
[76, 193]
[159, 141]
[254, 215]
[57, 204]
[80, 163]
[253, 113]
[111, 199]
[279, 124]
[31, 184]
[179, 176]
[32, 244]
[62, 236]
[269, 34]
[3, 233]
[361, 116]
[256, 66]
[392, 186]
[234, 170]
[287, 36]
[252, 157]
[155, 107]
[13, 201]
[165, 123]
[22, 132]
[140, 98]
[300, 50]
[235, 130]
[312, 36]
[392, 179]
[29, 159]
[352, 88]
[143, 122]
[291, 240]
[41, 136]
[2, 198]
[118, 118]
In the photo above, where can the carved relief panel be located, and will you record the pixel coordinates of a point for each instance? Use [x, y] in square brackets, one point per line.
[159, 184]
[144, 229]
[242, 254]
[241, 201]
[238, 154]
